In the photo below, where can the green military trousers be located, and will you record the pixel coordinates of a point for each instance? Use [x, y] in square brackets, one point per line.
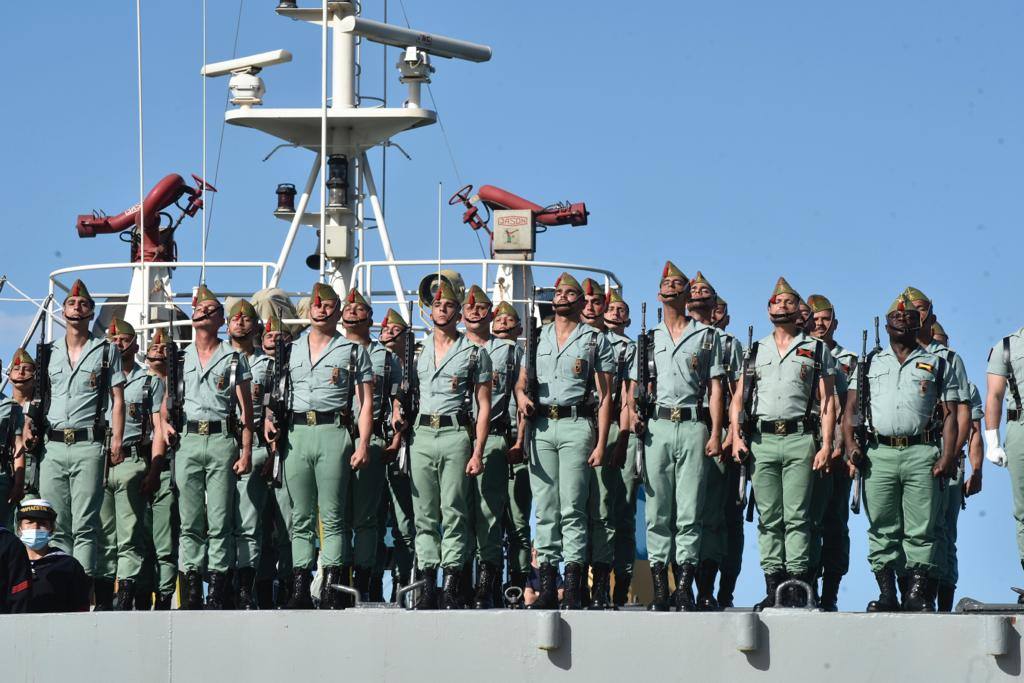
[206, 499]
[440, 495]
[733, 514]
[489, 500]
[560, 478]
[606, 490]
[782, 486]
[318, 474]
[948, 516]
[367, 490]
[123, 520]
[164, 528]
[395, 513]
[276, 549]
[821, 493]
[517, 518]
[71, 477]
[625, 489]
[835, 542]
[901, 499]
[1015, 464]
[714, 540]
[252, 490]
[675, 465]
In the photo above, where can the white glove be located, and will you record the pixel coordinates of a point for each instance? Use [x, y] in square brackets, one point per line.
[993, 451]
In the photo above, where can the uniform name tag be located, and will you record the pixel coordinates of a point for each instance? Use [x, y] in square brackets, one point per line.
[806, 353]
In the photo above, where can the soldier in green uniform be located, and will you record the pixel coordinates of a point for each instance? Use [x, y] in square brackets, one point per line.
[792, 373]
[621, 480]
[732, 511]
[396, 504]
[516, 524]
[252, 488]
[368, 482]
[22, 373]
[564, 443]
[830, 541]
[490, 495]
[447, 447]
[910, 388]
[208, 460]
[327, 372]
[12, 459]
[73, 459]
[945, 574]
[679, 439]
[123, 513]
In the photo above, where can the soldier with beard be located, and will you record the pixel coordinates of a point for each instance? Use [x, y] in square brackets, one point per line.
[792, 372]
[913, 395]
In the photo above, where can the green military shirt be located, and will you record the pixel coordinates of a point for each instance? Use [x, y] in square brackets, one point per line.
[845, 362]
[563, 375]
[624, 351]
[685, 367]
[954, 360]
[997, 364]
[732, 356]
[444, 387]
[904, 396]
[208, 390]
[977, 410]
[73, 393]
[323, 384]
[783, 388]
[135, 399]
[12, 420]
[261, 366]
[506, 357]
[381, 358]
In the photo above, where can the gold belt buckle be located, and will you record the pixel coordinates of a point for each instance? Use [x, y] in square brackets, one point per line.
[69, 437]
[204, 428]
[780, 428]
[902, 442]
[552, 412]
[435, 421]
[676, 415]
[311, 418]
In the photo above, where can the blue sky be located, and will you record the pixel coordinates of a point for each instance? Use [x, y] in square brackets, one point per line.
[855, 149]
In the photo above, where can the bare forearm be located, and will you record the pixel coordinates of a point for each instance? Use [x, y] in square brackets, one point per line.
[716, 408]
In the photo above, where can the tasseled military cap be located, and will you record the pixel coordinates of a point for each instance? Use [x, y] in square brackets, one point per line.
[819, 303]
[21, 357]
[445, 292]
[243, 307]
[505, 308]
[591, 287]
[915, 294]
[356, 297]
[782, 287]
[202, 294]
[273, 324]
[902, 302]
[322, 292]
[118, 326]
[671, 270]
[392, 318]
[566, 280]
[476, 295]
[78, 288]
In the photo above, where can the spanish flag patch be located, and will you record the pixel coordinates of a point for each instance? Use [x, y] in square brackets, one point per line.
[926, 366]
[806, 353]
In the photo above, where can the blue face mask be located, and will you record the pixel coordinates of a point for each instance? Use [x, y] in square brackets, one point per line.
[36, 539]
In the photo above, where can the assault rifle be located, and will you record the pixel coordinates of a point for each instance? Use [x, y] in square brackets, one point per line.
[531, 334]
[101, 425]
[175, 388]
[642, 396]
[863, 429]
[277, 410]
[40, 404]
[745, 425]
[408, 398]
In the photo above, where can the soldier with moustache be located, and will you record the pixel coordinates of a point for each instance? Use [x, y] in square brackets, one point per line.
[83, 369]
[793, 372]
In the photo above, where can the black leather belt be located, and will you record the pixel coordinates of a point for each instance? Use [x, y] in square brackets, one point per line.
[562, 412]
[312, 418]
[440, 421]
[205, 427]
[499, 428]
[70, 437]
[902, 442]
[680, 414]
[1012, 415]
[783, 427]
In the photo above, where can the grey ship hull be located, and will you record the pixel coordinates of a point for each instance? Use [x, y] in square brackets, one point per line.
[394, 645]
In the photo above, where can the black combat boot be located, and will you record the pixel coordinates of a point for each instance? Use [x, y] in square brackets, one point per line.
[246, 589]
[428, 594]
[217, 595]
[264, 593]
[726, 587]
[300, 597]
[771, 583]
[193, 590]
[228, 599]
[451, 589]
[903, 582]
[345, 579]
[548, 596]
[830, 592]
[103, 595]
[706, 586]
[466, 585]
[584, 585]
[375, 592]
[361, 582]
[572, 588]
[682, 598]
[945, 596]
[917, 593]
[620, 594]
[125, 595]
[887, 601]
[329, 597]
[600, 591]
[931, 591]
[163, 602]
[659, 580]
[486, 577]
[143, 600]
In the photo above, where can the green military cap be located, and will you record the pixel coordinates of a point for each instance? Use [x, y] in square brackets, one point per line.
[615, 295]
[21, 357]
[719, 301]
[274, 324]
[670, 270]
[915, 294]
[591, 287]
[202, 294]
[901, 303]
[118, 326]
[699, 279]
[783, 287]
[392, 318]
[78, 288]
[322, 292]
[819, 303]
[159, 337]
[568, 280]
[445, 292]
[243, 307]
[476, 295]
[356, 297]
[505, 308]
[938, 329]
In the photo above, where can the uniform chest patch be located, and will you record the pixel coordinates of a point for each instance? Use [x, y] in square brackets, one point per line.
[806, 353]
[133, 411]
[92, 380]
[455, 382]
[577, 366]
[257, 391]
[495, 378]
[926, 366]
[335, 375]
[222, 382]
[803, 372]
[693, 361]
[924, 387]
[845, 367]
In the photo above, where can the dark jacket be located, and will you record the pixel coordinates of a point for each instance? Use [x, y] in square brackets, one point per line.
[15, 574]
[59, 584]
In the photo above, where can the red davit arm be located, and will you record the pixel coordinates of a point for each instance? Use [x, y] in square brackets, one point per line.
[558, 214]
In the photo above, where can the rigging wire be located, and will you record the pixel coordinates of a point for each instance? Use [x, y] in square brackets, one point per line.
[205, 225]
[142, 186]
